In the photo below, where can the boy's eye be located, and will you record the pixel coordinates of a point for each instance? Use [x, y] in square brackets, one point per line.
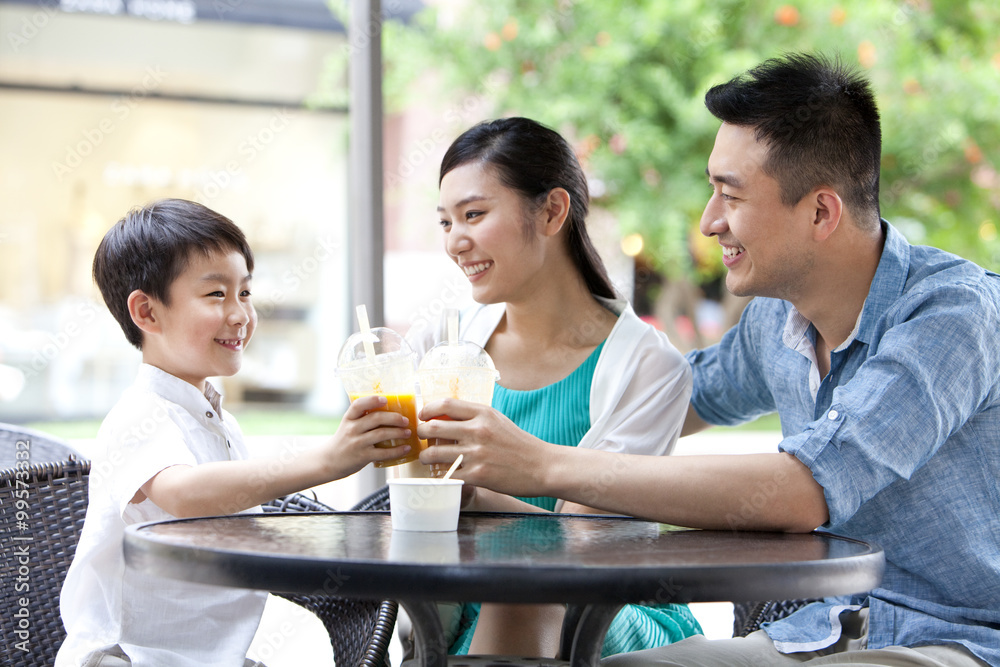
[245, 292]
[217, 293]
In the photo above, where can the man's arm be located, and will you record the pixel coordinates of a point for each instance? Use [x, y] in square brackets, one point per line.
[736, 492]
[745, 492]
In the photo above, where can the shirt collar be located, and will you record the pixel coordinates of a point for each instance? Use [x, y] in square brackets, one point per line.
[180, 392]
[888, 283]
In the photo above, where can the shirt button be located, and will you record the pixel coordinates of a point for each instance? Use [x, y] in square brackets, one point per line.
[209, 415]
[832, 415]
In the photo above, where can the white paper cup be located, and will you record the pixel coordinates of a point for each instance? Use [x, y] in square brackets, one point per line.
[421, 504]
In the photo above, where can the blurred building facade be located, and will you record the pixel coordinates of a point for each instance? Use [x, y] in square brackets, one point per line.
[109, 104]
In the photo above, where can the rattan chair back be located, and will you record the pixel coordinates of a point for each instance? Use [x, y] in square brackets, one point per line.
[360, 630]
[42, 508]
[20, 444]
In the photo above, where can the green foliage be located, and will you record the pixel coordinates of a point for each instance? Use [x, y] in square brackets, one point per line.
[625, 81]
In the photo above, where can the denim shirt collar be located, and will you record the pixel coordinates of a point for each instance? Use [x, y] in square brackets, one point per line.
[888, 283]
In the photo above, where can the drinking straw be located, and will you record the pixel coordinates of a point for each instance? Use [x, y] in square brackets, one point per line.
[451, 314]
[366, 331]
[454, 466]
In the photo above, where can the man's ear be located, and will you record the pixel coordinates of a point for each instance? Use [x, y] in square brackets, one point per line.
[828, 212]
[141, 309]
[556, 211]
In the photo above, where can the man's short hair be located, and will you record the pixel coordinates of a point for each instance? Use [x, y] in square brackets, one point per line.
[820, 123]
[149, 248]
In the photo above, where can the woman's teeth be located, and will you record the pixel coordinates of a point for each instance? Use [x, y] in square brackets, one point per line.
[473, 269]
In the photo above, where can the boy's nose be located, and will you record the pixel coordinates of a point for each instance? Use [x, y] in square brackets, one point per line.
[240, 314]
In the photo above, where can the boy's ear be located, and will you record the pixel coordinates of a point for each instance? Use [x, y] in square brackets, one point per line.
[140, 308]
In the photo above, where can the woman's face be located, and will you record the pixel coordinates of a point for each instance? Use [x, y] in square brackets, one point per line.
[490, 233]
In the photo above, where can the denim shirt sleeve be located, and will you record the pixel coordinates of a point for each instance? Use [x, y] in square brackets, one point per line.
[730, 386]
[931, 365]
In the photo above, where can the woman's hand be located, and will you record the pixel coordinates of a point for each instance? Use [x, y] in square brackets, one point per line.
[497, 454]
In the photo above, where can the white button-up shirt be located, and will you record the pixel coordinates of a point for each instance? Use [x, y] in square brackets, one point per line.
[161, 421]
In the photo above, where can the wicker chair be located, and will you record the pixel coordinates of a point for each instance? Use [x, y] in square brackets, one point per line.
[24, 444]
[52, 500]
[360, 630]
[748, 616]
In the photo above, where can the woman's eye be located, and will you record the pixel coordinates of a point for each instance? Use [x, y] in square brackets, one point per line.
[470, 215]
[445, 224]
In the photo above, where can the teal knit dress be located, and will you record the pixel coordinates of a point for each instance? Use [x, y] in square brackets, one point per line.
[560, 414]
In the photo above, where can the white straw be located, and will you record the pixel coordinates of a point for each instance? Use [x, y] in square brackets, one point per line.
[452, 317]
[454, 466]
[366, 331]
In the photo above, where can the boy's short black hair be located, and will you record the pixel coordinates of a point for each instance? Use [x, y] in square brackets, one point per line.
[148, 248]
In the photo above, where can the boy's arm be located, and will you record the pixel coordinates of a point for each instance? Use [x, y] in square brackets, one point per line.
[227, 487]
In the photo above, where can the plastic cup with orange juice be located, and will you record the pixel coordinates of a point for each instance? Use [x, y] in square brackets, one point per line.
[456, 369]
[379, 361]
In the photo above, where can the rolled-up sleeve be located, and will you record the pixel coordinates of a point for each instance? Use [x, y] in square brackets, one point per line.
[932, 370]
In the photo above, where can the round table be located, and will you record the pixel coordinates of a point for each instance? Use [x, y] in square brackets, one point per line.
[593, 563]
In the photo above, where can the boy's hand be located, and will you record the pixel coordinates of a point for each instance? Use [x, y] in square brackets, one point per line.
[365, 424]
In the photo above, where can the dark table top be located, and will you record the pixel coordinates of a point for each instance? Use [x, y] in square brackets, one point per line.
[525, 558]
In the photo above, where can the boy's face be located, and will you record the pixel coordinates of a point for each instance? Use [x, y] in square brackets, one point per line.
[209, 321]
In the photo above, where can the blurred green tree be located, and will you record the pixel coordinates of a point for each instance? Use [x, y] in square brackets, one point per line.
[625, 81]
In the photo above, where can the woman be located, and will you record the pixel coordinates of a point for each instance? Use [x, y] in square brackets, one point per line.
[577, 366]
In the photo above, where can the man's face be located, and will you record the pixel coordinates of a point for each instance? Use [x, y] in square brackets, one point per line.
[765, 244]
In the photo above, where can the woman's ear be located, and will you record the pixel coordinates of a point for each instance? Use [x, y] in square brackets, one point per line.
[556, 209]
[141, 309]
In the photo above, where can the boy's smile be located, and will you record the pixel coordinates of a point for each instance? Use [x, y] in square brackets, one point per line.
[208, 322]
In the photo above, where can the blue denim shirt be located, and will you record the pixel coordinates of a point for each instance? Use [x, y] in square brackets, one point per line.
[903, 434]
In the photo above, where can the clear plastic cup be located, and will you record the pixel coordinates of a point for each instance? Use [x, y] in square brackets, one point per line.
[430, 505]
[461, 370]
[386, 368]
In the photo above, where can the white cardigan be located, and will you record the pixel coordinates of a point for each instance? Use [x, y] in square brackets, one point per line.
[641, 388]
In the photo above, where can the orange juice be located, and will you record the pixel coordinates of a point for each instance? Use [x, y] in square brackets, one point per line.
[406, 405]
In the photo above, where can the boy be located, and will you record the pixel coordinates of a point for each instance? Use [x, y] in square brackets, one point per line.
[176, 276]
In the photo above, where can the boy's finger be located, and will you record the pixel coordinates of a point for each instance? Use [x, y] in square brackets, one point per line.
[360, 406]
[387, 453]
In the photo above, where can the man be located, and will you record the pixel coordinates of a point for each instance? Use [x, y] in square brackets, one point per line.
[881, 359]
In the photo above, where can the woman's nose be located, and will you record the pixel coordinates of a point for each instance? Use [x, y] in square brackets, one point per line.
[457, 241]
